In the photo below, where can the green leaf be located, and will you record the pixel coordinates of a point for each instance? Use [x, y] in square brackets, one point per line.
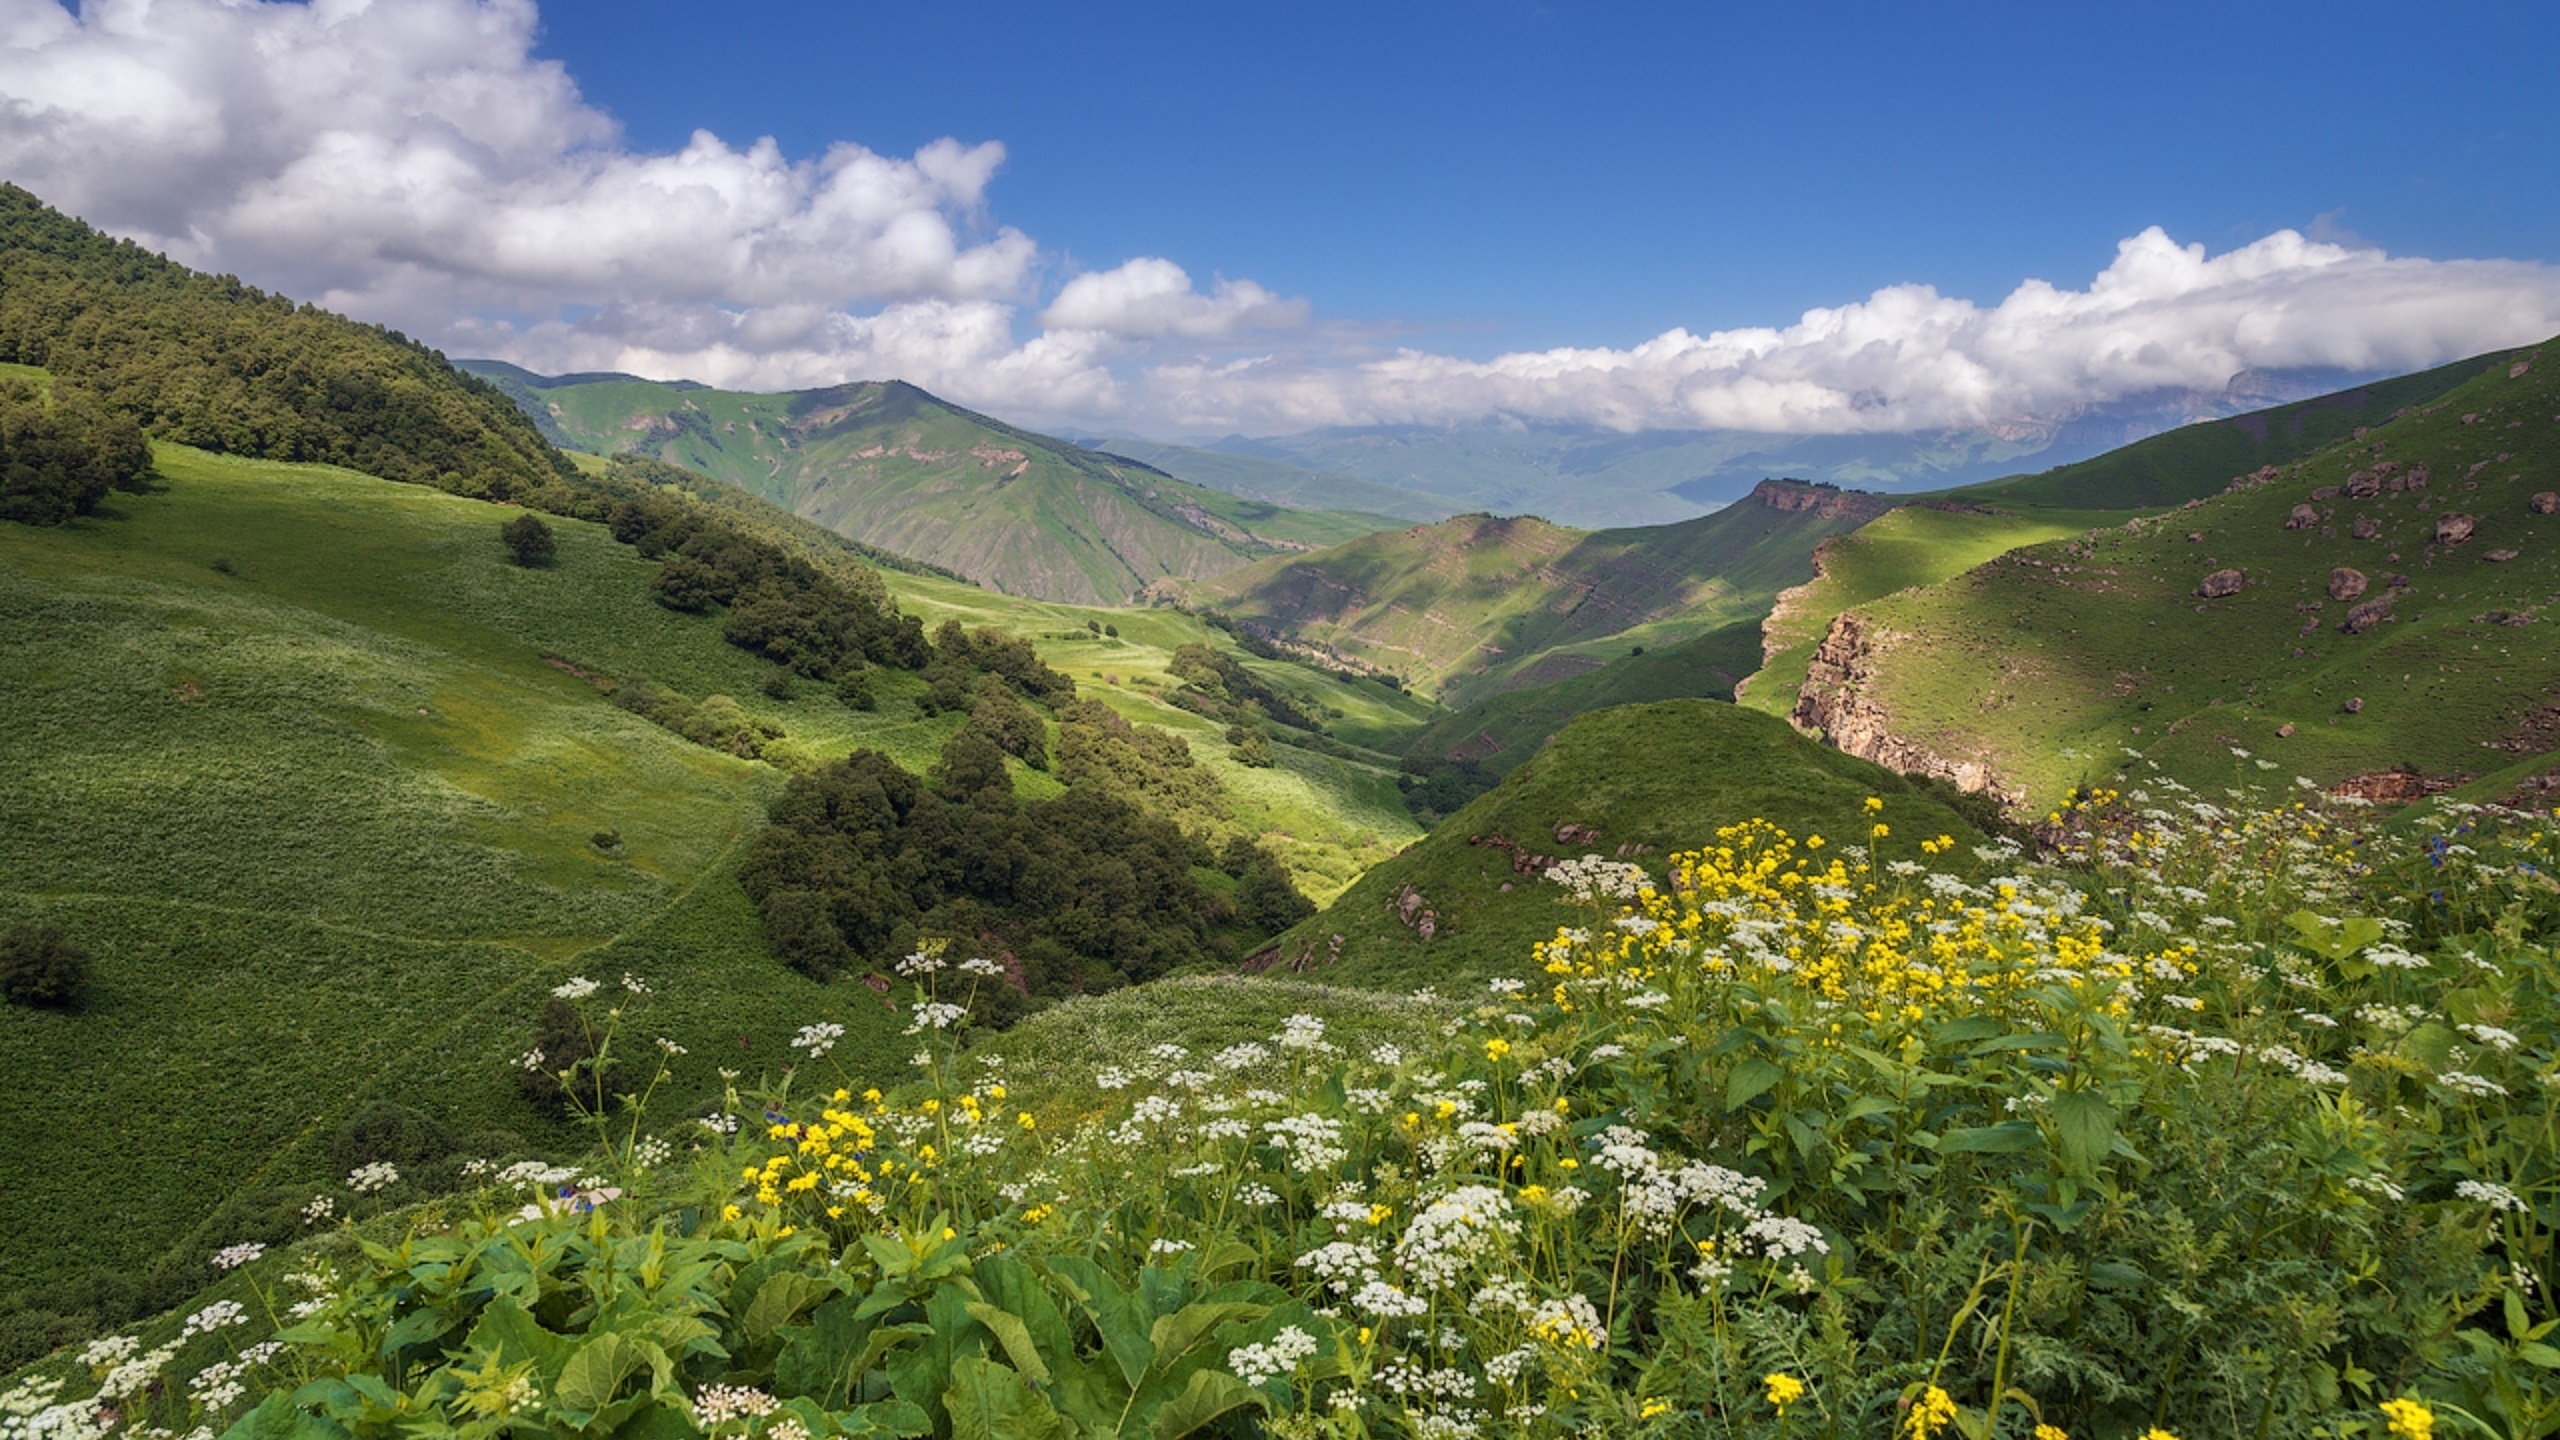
[1749, 1080]
[1210, 1394]
[825, 1357]
[593, 1375]
[782, 1296]
[278, 1418]
[2030, 1040]
[2007, 1138]
[2086, 1124]
[418, 1327]
[2534, 1352]
[1015, 1337]
[885, 1417]
[509, 1333]
[1113, 1312]
[1176, 1335]
[1220, 1256]
[986, 1401]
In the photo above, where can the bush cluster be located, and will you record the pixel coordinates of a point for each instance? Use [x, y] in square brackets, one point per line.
[41, 966]
[1090, 888]
[60, 458]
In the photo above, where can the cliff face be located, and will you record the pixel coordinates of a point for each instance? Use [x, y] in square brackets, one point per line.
[1828, 501]
[1834, 705]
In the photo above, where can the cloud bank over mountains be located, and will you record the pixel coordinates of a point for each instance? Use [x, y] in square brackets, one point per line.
[417, 164]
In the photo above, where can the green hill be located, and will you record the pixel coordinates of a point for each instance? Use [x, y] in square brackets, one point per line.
[207, 361]
[1919, 544]
[2357, 642]
[1477, 605]
[1636, 782]
[2194, 461]
[894, 467]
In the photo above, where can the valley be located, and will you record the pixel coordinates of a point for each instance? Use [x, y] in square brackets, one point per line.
[642, 895]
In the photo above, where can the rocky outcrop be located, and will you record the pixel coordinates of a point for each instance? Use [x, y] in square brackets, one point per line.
[2454, 529]
[2221, 584]
[2545, 502]
[2346, 583]
[1835, 706]
[2367, 615]
[1829, 501]
[2303, 517]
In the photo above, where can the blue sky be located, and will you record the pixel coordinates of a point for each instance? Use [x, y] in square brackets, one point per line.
[1189, 219]
[1593, 173]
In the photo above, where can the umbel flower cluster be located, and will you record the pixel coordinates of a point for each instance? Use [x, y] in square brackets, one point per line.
[1790, 1137]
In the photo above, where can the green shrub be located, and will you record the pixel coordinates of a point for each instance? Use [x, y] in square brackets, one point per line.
[529, 541]
[40, 966]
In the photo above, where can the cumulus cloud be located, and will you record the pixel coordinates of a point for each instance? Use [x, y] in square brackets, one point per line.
[413, 157]
[2161, 317]
[1150, 297]
[413, 162]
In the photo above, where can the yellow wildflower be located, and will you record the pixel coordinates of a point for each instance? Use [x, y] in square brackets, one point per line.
[2409, 1419]
[1932, 1412]
[1784, 1389]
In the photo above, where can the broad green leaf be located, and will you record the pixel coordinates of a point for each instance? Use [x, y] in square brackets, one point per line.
[593, 1375]
[278, 1418]
[885, 1417]
[416, 1328]
[1015, 1337]
[2030, 1040]
[1749, 1080]
[986, 1401]
[2007, 1138]
[783, 1295]
[1210, 1394]
[1177, 1334]
[2086, 1124]
[1113, 1312]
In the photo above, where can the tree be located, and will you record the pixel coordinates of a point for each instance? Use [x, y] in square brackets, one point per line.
[529, 540]
[40, 966]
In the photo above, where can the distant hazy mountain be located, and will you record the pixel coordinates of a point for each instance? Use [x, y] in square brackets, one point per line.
[1279, 482]
[1587, 476]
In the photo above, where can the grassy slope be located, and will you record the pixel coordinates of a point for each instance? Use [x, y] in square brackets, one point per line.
[2197, 460]
[1326, 818]
[894, 467]
[1663, 776]
[1915, 545]
[325, 821]
[1476, 605]
[2046, 662]
[1503, 730]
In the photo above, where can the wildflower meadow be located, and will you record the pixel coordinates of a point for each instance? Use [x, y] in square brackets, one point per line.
[2218, 1119]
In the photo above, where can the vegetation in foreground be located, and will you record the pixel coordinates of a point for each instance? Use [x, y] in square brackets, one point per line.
[2242, 1122]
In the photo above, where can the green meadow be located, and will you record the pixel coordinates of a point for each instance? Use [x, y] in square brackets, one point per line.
[318, 777]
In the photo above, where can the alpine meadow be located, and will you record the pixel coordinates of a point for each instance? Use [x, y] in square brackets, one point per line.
[664, 790]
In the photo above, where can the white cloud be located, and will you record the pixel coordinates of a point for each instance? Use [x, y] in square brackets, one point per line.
[2161, 317]
[413, 162]
[1150, 297]
[413, 156]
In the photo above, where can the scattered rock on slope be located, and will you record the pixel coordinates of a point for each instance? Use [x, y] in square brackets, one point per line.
[2219, 584]
[2346, 583]
[2455, 528]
